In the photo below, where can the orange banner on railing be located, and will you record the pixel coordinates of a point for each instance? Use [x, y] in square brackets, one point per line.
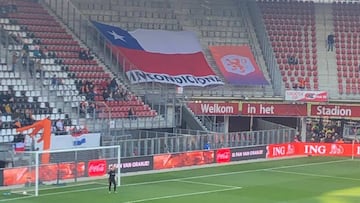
[315, 149]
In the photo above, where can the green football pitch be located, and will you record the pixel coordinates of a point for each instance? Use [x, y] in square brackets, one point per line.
[299, 180]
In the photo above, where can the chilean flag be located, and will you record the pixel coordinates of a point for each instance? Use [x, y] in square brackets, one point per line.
[160, 56]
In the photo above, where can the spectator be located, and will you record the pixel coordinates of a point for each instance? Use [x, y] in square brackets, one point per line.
[36, 52]
[302, 83]
[89, 55]
[207, 146]
[31, 67]
[92, 108]
[132, 114]
[330, 41]
[117, 95]
[54, 81]
[90, 96]
[83, 108]
[14, 60]
[82, 55]
[60, 130]
[39, 68]
[292, 60]
[113, 85]
[106, 94]
[28, 117]
[44, 51]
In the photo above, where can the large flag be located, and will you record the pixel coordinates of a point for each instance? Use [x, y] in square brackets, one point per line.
[160, 56]
[238, 65]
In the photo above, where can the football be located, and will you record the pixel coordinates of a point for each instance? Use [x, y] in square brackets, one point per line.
[24, 193]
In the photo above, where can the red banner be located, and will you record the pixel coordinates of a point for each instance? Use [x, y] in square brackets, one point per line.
[51, 172]
[282, 150]
[97, 168]
[306, 96]
[164, 161]
[223, 155]
[314, 149]
[345, 111]
[272, 109]
[214, 108]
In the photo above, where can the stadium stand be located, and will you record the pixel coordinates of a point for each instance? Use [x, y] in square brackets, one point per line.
[215, 23]
[346, 28]
[54, 60]
[67, 53]
[292, 32]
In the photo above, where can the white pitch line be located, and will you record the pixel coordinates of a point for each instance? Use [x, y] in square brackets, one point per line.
[313, 175]
[209, 184]
[183, 195]
[187, 178]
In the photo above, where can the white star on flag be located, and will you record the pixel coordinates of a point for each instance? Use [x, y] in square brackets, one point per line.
[117, 36]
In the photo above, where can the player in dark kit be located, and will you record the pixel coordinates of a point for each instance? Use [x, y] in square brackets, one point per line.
[112, 175]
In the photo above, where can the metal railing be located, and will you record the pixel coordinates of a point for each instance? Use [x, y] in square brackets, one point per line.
[144, 143]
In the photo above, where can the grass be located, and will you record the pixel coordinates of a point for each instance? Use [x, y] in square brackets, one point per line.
[299, 180]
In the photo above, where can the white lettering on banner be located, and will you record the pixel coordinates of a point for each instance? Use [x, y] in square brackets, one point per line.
[335, 111]
[247, 153]
[216, 108]
[358, 150]
[97, 168]
[315, 149]
[279, 151]
[236, 154]
[131, 164]
[223, 156]
[138, 76]
[265, 110]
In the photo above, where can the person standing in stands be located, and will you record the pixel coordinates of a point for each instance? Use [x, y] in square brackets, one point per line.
[14, 60]
[330, 41]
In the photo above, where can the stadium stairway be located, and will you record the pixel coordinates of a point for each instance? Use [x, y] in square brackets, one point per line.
[326, 60]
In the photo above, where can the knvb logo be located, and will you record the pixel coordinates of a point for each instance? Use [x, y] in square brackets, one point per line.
[78, 142]
[97, 168]
[237, 64]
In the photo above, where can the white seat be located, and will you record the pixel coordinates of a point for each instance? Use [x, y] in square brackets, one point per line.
[17, 94]
[8, 132]
[5, 138]
[3, 132]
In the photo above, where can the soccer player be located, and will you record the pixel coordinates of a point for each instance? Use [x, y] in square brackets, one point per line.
[112, 175]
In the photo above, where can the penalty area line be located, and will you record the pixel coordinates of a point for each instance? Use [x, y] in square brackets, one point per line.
[183, 195]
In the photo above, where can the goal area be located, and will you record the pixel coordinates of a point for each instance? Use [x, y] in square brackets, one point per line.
[40, 171]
